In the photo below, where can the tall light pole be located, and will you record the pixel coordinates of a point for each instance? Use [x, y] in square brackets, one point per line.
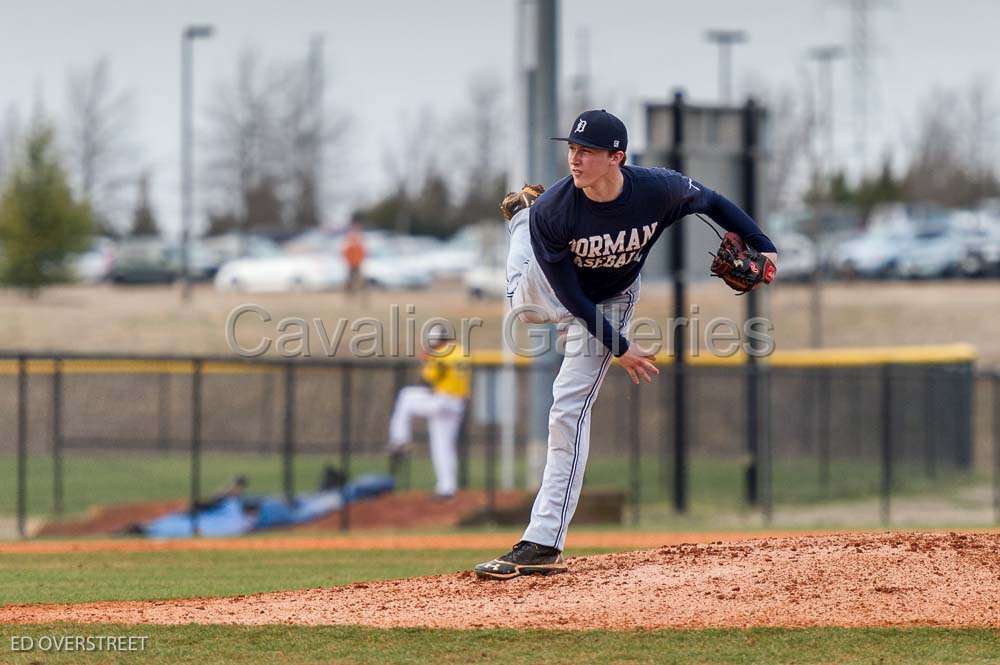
[824, 55]
[191, 33]
[725, 40]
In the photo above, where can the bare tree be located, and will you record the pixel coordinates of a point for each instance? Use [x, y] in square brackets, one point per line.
[953, 160]
[308, 130]
[270, 132]
[481, 140]
[413, 156]
[792, 153]
[936, 163]
[979, 135]
[99, 124]
[240, 141]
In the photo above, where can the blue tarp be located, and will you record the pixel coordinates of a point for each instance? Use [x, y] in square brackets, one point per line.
[231, 517]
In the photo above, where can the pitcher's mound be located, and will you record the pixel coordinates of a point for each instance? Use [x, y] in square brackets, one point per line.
[846, 580]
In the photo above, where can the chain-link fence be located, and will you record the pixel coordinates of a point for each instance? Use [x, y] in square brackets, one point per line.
[856, 443]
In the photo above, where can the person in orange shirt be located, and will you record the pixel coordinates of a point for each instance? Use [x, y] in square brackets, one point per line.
[353, 250]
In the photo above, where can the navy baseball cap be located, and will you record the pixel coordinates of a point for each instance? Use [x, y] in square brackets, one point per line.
[597, 129]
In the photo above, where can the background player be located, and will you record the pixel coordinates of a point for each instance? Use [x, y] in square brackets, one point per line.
[441, 400]
[575, 255]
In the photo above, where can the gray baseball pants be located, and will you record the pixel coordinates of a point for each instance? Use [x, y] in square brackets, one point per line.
[584, 365]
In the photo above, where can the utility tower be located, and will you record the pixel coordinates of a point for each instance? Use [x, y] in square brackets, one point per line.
[861, 48]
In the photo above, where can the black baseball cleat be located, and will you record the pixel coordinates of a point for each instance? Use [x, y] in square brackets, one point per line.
[515, 202]
[525, 559]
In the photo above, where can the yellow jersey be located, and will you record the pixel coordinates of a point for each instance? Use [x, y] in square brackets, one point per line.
[448, 374]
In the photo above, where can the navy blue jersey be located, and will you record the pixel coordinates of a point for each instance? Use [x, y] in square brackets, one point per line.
[593, 251]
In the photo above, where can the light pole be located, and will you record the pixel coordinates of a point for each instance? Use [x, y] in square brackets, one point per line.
[824, 55]
[725, 40]
[191, 33]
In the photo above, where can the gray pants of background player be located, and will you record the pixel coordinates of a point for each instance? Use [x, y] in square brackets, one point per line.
[583, 368]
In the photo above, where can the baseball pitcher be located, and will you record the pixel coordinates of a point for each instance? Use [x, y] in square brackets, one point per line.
[575, 255]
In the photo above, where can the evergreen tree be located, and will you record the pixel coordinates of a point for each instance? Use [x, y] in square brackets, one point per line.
[40, 222]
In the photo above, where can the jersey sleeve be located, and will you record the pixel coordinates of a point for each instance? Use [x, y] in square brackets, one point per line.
[687, 196]
[549, 235]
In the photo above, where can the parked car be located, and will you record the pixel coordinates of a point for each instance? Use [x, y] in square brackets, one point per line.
[143, 260]
[486, 282]
[797, 260]
[94, 265]
[463, 251]
[982, 253]
[388, 269]
[309, 272]
[488, 278]
[873, 254]
[230, 246]
[315, 241]
[937, 253]
[202, 262]
[980, 235]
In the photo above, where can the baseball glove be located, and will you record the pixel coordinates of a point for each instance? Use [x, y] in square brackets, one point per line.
[515, 202]
[740, 266]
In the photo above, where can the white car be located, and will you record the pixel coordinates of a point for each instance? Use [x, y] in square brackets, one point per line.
[385, 269]
[463, 251]
[873, 254]
[797, 256]
[313, 272]
[932, 254]
[486, 281]
[95, 264]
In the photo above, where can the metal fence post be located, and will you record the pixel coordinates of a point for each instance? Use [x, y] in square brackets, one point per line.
[751, 136]
[266, 425]
[288, 447]
[996, 447]
[966, 415]
[886, 443]
[677, 268]
[930, 454]
[823, 422]
[345, 437]
[22, 446]
[196, 402]
[57, 438]
[664, 447]
[751, 381]
[491, 447]
[635, 448]
[163, 411]
[767, 450]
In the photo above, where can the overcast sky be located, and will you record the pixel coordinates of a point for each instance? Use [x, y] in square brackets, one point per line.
[387, 60]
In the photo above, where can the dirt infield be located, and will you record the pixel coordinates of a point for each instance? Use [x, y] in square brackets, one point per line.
[894, 579]
[360, 541]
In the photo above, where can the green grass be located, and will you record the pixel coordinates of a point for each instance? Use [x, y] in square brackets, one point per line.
[81, 577]
[78, 577]
[297, 645]
[716, 483]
